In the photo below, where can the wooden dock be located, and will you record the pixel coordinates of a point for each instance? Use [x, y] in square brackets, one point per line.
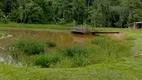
[94, 33]
[79, 30]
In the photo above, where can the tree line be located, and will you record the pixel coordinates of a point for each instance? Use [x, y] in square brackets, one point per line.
[107, 13]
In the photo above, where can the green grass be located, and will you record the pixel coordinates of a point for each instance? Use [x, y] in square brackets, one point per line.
[101, 49]
[137, 48]
[30, 46]
[51, 43]
[48, 60]
[39, 26]
[122, 69]
[133, 33]
[3, 33]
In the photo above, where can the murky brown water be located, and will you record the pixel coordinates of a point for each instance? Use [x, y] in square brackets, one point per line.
[61, 38]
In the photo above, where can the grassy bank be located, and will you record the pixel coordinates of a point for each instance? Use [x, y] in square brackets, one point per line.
[39, 26]
[136, 34]
[121, 69]
[95, 50]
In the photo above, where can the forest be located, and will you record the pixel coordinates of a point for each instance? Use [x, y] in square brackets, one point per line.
[98, 13]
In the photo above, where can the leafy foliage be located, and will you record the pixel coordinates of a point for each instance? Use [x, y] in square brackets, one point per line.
[104, 13]
[75, 53]
[48, 60]
[101, 49]
[51, 43]
[108, 49]
[71, 51]
[30, 46]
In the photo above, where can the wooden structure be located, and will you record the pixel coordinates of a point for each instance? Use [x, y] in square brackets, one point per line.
[97, 33]
[81, 30]
[84, 30]
[137, 25]
[78, 39]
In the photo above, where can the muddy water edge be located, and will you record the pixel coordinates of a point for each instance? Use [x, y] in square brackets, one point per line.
[10, 36]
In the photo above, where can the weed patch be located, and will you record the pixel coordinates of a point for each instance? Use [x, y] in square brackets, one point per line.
[73, 50]
[51, 43]
[102, 49]
[48, 60]
[106, 48]
[33, 46]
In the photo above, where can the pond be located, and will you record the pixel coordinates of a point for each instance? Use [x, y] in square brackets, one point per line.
[9, 36]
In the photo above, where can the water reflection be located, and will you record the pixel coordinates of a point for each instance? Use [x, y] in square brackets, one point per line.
[78, 39]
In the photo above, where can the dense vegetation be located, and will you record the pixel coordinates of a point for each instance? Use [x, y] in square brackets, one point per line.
[108, 13]
[127, 68]
[48, 54]
[30, 46]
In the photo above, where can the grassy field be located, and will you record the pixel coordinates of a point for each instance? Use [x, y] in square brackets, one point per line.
[121, 69]
[42, 26]
[136, 34]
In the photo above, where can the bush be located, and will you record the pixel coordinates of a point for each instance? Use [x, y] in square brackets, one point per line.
[73, 50]
[65, 63]
[68, 56]
[102, 49]
[33, 46]
[50, 43]
[129, 38]
[108, 49]
[101, 40]
[48, 60]
[75, 53]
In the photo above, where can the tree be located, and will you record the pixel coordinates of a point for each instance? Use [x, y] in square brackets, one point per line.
[105, 13]
[79, 11]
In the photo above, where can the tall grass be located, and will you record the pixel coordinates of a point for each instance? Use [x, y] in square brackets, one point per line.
[23, 51]
[45, 26]
[75, 53]
[106, 48]
[30, 46]
[48, 60]
[101, 49]
[50, 43]
[73, 50]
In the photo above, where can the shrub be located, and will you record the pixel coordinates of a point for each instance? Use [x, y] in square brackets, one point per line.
[65, 63]
[33, 46]
[101, 40]
[68, 56]
[108, 49]
[75, 53]
[102, 49]
[50, 43]
[129, 38]
[48, 60]
[73, 50]
[78, 61]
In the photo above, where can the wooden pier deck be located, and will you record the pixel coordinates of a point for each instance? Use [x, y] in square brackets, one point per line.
[94, 33]
[79, 30]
